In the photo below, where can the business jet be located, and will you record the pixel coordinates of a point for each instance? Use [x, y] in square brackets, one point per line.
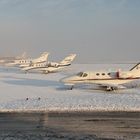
[10, 59]
[106, 80]
[50, 67]
[28, 62]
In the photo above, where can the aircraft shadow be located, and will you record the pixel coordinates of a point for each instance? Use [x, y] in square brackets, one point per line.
[92, 89]
[10, 70]
[33, 82]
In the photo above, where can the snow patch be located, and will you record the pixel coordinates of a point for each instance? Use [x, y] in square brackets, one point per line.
[31, 91]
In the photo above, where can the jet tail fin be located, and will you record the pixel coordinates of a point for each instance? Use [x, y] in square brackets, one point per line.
[23, 56]
[68, 59]
[42, 58]
[136, 67]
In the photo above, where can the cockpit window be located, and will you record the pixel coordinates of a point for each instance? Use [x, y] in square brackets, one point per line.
[84, 75]
[80, 74]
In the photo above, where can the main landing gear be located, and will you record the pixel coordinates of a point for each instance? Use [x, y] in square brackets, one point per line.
[110, 89]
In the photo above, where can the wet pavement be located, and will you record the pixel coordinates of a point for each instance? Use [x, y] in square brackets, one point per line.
[70, 125]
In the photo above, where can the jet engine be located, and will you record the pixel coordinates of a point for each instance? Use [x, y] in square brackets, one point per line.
[53, 64]
[124, 75]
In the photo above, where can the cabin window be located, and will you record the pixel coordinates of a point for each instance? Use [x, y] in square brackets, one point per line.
[103, 73]
[97, 74]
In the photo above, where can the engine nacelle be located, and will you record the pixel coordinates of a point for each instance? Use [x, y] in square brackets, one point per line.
[53, 64]
[124, 75]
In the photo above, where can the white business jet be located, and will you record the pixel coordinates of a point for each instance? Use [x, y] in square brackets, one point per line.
[27, 62]
[50, 67]
[105, 79]
[9, 59]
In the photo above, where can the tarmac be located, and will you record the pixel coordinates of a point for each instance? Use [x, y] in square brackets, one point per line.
[70, 125]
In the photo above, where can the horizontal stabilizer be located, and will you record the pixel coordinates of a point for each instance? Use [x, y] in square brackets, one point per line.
[68, 59]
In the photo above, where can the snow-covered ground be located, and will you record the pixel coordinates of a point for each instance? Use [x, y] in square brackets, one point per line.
[35, 91]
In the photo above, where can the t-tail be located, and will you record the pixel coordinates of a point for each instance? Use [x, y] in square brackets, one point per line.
[136, 68]
[23, 56]
[42, 58]
[68, 60]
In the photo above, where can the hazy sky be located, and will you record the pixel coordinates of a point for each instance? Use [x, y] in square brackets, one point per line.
[97, 30]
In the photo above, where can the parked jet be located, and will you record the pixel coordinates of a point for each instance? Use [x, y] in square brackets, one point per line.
[8, 59]
[28, 62]
[105, 79]
[48, 67]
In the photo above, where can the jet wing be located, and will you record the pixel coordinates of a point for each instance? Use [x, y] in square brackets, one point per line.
[51, 69]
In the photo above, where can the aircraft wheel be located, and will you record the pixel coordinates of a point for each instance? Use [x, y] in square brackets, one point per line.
[110, 89]
[71, 88]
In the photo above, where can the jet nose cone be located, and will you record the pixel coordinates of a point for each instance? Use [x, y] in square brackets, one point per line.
[69, 79]
[63, 80]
